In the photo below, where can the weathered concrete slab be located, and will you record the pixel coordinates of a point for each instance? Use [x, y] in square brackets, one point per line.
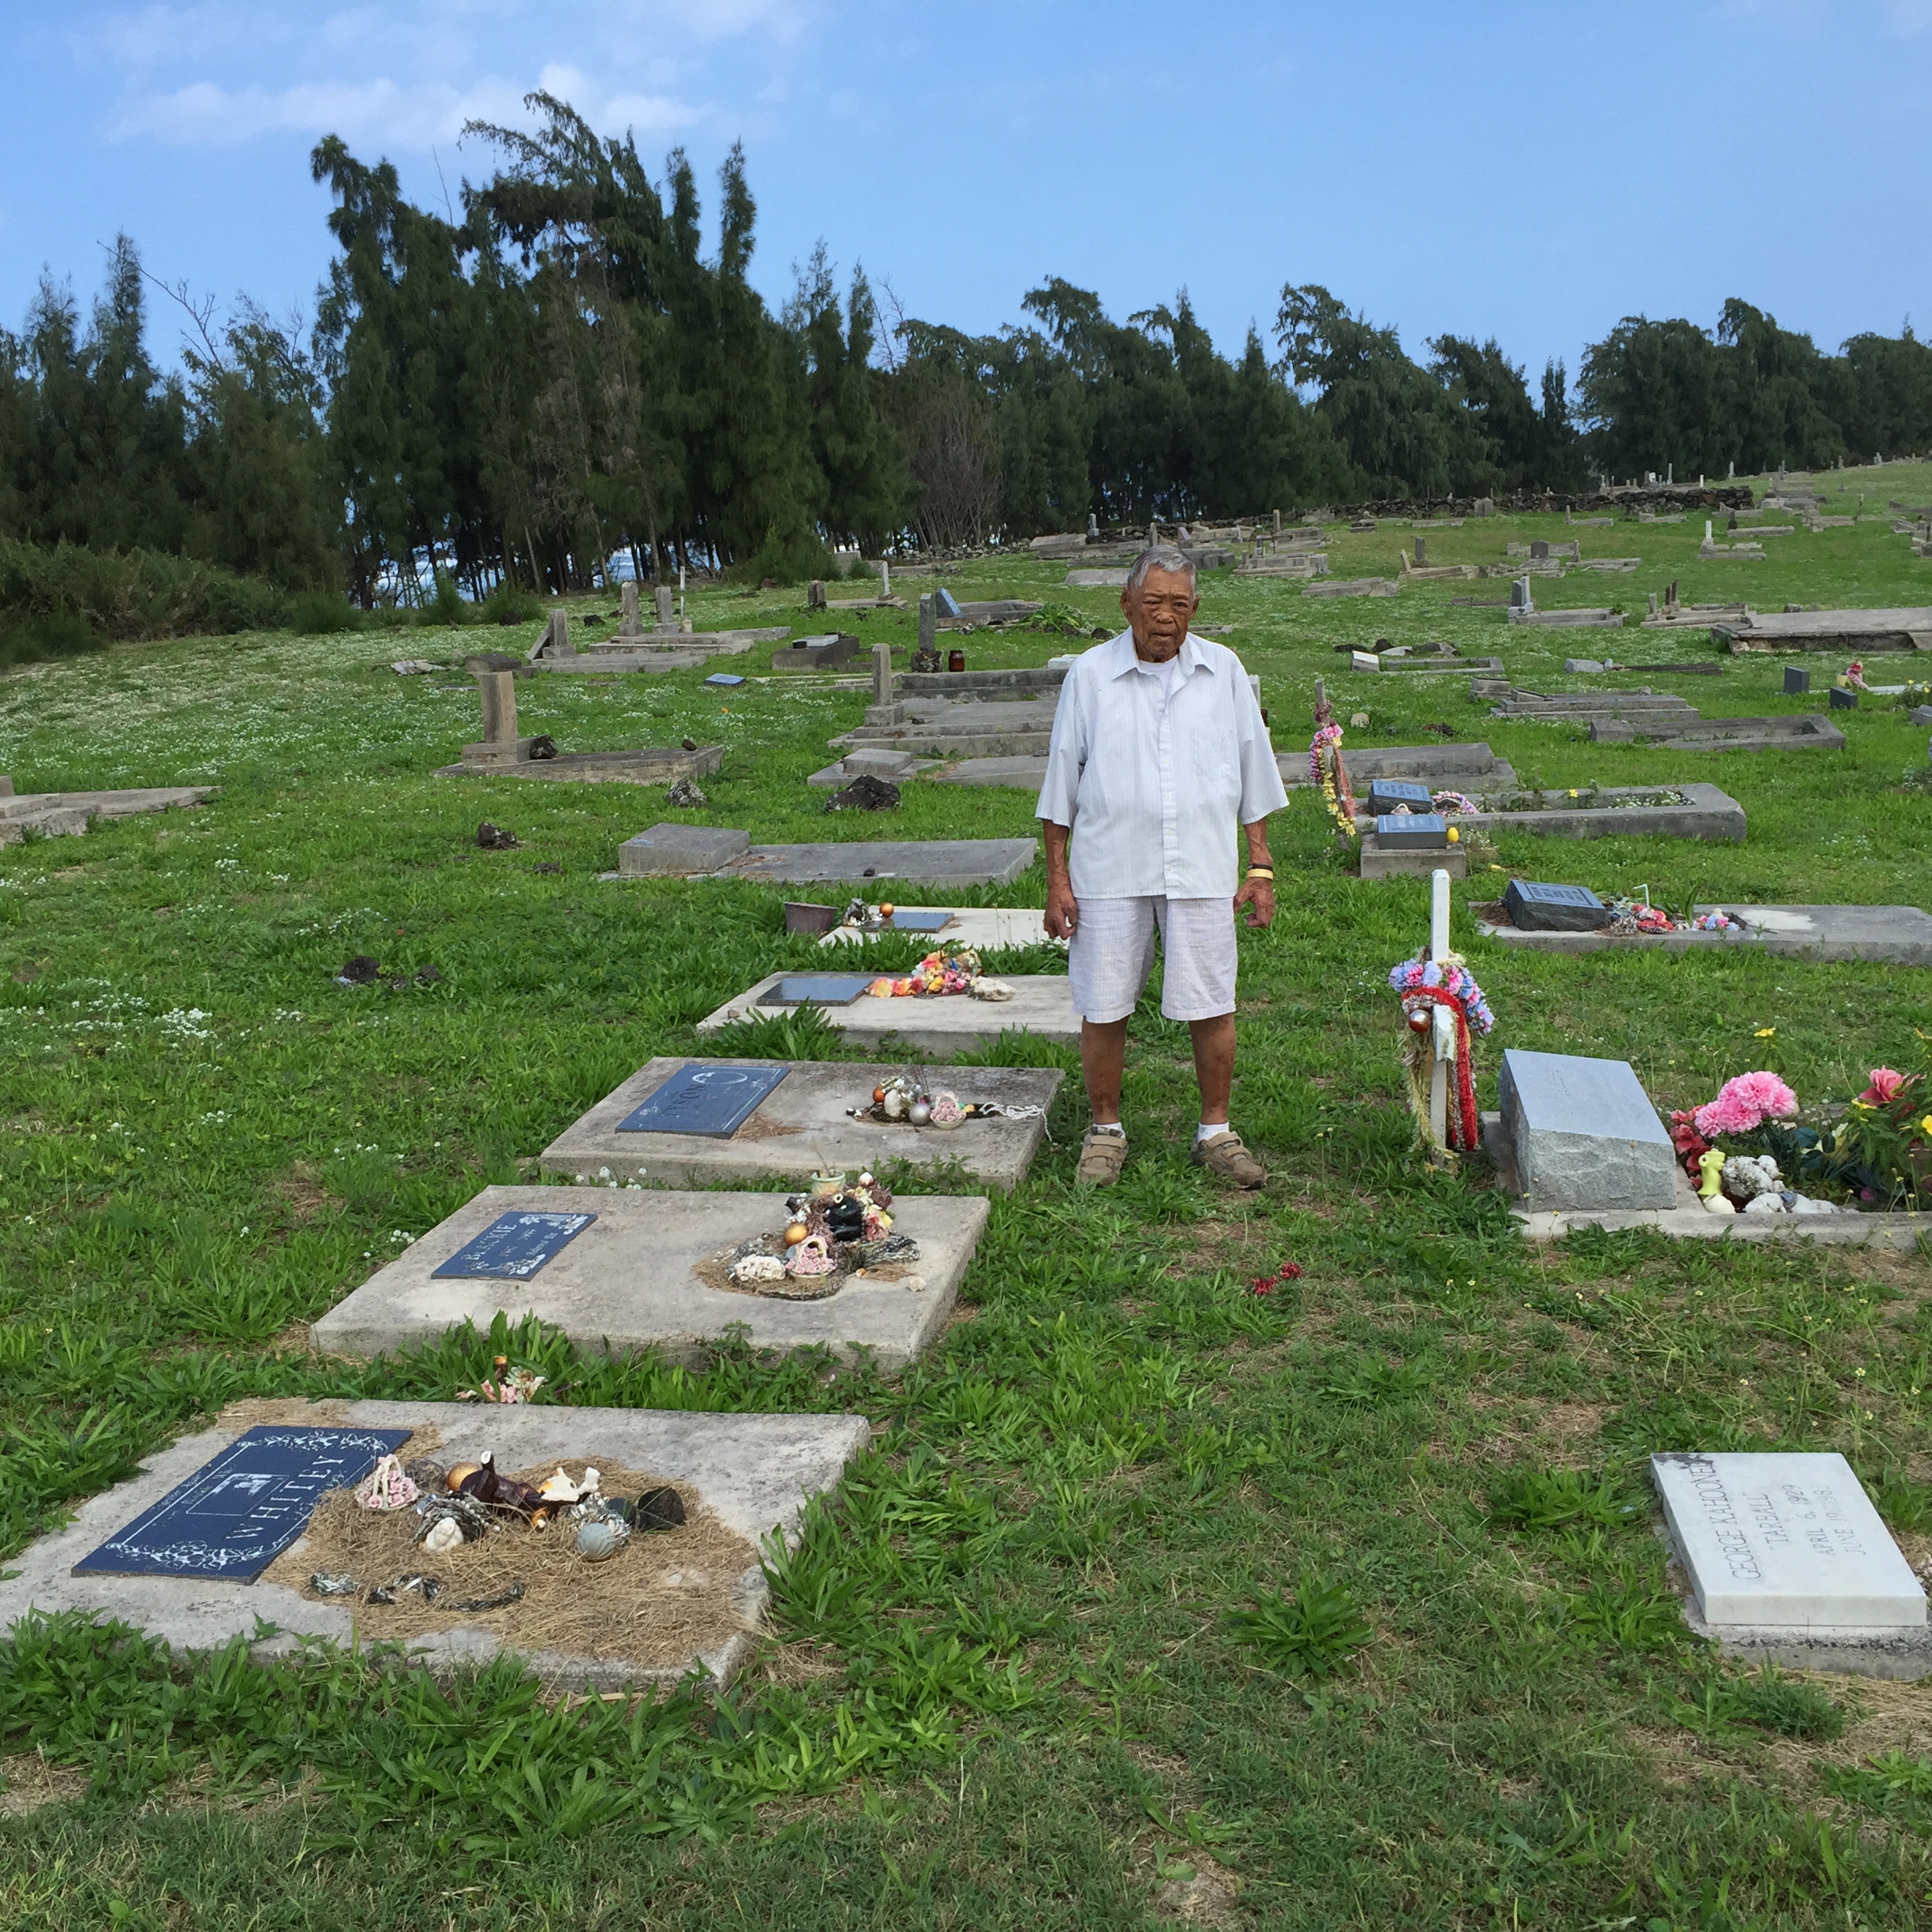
[938, 1025]
[649, 767]
[1353, 586]
[1896, 935]
[939, 862]
[1435, 664]
[1706, 812]
[1584, 1133]
[65, 815]
[680, 850]
[1853, 632]
[755, 1472]
[983, 929]
[803, 1127]
[1026, 774]
[1453, 767]
[630, 1281]
[1377, 860]
[1569, 620]
[957, 727]
[1017, 681]
[876, 763]
[1810, 732]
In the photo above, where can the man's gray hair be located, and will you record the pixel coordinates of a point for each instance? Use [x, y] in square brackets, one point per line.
[1159, 557]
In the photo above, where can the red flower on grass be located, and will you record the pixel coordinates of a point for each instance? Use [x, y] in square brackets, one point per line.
[1266, 1284]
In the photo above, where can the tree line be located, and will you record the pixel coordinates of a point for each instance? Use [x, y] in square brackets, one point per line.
[562, 373]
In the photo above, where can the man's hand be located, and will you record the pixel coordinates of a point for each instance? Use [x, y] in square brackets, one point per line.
[1062, 910]
[1256, 894]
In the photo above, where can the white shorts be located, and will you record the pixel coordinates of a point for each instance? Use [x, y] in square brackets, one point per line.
[1112, 953]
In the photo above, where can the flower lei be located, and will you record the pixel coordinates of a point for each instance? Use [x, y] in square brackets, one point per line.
[1422, 982]
[1325, 768]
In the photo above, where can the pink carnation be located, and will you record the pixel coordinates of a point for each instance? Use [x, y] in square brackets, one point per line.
[1745, 1102]
[1885, 1087]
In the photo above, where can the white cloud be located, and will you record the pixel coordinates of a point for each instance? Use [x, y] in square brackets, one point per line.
[371, 113]
[1909, 17]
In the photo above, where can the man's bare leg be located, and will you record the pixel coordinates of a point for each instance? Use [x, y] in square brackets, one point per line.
[1103, 1056]
[1214, 1065]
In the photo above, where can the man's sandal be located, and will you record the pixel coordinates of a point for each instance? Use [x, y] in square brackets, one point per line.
[1223, 1153]
[1101, 1157]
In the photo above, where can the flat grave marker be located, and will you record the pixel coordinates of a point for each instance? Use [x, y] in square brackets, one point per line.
[705, 1097]
[1785, 1543]
[1539, 907]
[827, 989]
[236, 1513]
[804, 1125]
[516, 1246]
[632, 1281]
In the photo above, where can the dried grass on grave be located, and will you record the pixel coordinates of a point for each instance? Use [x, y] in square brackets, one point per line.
[665, 1597]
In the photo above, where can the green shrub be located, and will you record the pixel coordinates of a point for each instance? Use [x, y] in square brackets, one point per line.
[320, 613]
[29, 639]
[793, 559]
[509, 603]
[128, 595]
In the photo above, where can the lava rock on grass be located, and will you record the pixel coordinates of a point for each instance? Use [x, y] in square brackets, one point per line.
[543, 746]
[865, 793]
[361, 970]
[494, 838]
[686, 795]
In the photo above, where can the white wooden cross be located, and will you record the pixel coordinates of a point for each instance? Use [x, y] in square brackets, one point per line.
[1443, 1020]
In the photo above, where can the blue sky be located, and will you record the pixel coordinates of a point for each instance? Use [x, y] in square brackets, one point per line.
[1529, 171]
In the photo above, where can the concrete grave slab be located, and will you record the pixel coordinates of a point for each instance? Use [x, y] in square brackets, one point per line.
[1706, 812]
[680, 850]
[756, 1473]
[1584, 1133]
[1896, 935]
[940, 862]
[938, 1025]
[68, 814]
[889, 764]
[983, 929]
[1787, 1559]
[1854, 632]
[1353, 586]
[630, 1280]
[803, 1127]
[1376, 860]
[1454, 767]
[1026, 774]
[1805, 733]
[648, 767]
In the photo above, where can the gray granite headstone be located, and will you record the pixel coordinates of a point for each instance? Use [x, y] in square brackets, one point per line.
[1584, 1133]
[1797, 681]
[1413, 832]
[1537, 908]
[679, 849]
[1386, 794]
[667, 609]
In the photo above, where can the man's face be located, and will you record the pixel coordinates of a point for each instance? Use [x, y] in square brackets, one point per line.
[1160, 610]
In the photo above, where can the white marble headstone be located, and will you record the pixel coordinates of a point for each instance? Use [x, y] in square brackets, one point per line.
[1785, 1543]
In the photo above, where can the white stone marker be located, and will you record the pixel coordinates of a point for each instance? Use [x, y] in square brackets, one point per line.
[1785, 1543]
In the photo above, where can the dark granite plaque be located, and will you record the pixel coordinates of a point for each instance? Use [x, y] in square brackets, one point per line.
[236, 1515]
[701, 1098]
[1797, 681]
[928, 920]
[1386, 794]
[1537, 907]
[515, 1246]
[1413, 832]
[816, 990]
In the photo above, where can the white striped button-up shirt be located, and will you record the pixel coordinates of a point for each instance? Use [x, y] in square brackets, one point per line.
[1153, 784]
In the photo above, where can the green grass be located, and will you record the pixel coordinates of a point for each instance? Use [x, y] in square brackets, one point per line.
[1349, 1588]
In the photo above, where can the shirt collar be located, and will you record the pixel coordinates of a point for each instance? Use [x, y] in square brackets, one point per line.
[1122, 659]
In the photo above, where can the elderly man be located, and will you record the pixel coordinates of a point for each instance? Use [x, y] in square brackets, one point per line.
[1159, 749]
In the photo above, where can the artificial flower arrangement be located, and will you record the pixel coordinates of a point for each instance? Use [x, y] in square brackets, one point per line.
[942, 972]
[1746, 1150]
[1422, 984]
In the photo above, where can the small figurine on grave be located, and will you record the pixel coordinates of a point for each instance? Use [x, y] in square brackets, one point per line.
[841, 1227]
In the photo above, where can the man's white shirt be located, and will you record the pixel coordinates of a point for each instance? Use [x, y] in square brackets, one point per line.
[1153, 766]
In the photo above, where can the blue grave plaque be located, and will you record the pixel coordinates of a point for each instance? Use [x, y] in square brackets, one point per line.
[816, 989]
[948, 604]
[233, 1516]
[515, 1246]
[1413, 832]
[926, 920]
[1386, 794]
[1537, 908]
[725, 678]
[704, 1098]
